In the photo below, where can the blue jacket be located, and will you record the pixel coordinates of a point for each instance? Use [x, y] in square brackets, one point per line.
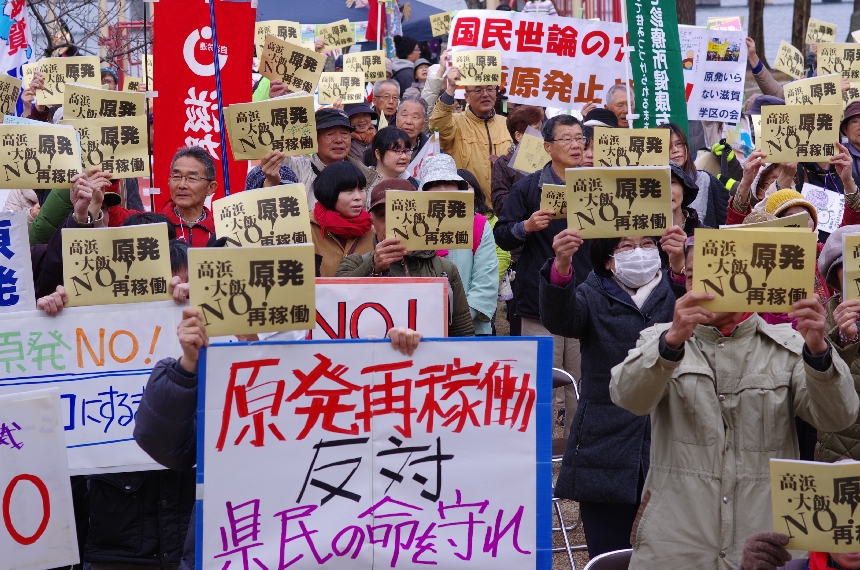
[480, 276]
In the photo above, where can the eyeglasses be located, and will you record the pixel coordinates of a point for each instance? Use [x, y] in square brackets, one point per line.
[388, 98]
[567, 141]
[401, 151]
[192, 179]
[485, 89]
[627, 246]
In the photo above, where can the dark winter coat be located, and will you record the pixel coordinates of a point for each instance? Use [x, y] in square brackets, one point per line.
[166, 428]
[522, 201]
[608, 448]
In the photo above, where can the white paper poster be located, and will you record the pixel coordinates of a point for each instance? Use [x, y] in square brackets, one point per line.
[351, 455]
[717, 79]
[16, 271]
[829, 205]
[38, 529]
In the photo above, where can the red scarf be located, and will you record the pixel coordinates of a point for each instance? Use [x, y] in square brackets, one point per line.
[819, 561]
[344, 228]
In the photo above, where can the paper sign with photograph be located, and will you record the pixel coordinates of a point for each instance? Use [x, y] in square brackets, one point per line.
[83, 102]
[297, 67]
[759, 270]
[290, 32]
[631, 147]
[612, 202]
[818, 32]
[554, 197]
[253, 289]
[530, 155]
[336, 35]
[270, 216]
[789, 60]
[370, 63]
[285, 124]
[800, 133]
[38, 157]
[430, 220]
[57, 71]
[479, 67]
[349, 87]
[823, 90]
[118, 146]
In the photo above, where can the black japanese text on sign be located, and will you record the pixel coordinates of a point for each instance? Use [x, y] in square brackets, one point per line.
[371, 63]
[118, 146]
[286, 124]
[253, 289]
[753, 269]
[611, 202]
[57, 71]
[631, 147]
[297, 67]
[109, 266]
[800, 133]
[480, 67]
[45, 157]
[10, 89]
[83, 102]
[271, 216]
[430, 220]
[826, 90]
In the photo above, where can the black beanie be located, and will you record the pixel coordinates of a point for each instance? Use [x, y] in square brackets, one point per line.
[404, 46]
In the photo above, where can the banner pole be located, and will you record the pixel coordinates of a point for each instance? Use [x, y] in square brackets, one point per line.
[379, 14]
[148, 105]
[222, 131]
[627, 49]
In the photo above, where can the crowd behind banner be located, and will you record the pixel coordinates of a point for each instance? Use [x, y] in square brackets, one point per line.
[698, 279]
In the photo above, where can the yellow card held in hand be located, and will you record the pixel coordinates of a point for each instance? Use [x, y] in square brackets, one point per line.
[57, 71]
[40, 156]
[108, 266]
[118, 146]
[10, 89]
[297, 67]
[631, 147]
[430, 220]
[553, 197]
[479, 67]
[270, 216]
[336, 35]
[818, 32]
[850, 267]
[800, 133]
[759, 270]
[349, 87]
[530, 155]
[286, 124]
[440, 24]
[789, 60]
[370, 63]
[824, 90]
[290, 32]
[253, 290]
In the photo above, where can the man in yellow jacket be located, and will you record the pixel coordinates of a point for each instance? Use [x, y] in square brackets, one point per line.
[474, 136]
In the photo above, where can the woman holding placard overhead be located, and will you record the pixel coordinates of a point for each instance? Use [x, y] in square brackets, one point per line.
[607, 455]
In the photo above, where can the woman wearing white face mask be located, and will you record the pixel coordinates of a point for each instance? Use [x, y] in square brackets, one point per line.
[607, 455]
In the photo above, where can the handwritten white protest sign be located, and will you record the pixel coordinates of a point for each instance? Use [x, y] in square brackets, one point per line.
[829, 205]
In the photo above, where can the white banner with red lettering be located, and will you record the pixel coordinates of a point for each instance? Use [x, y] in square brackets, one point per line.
[547, 61]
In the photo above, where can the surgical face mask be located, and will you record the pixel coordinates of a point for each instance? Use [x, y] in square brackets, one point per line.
[637, 267]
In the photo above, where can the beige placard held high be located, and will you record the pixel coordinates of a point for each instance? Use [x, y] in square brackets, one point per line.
[754, 269]
[297, 67]
[38, 157]
[285, 124]
[800, 133]
[809, 496]
[57, 71]
[347, 86]
[253, 289]
[108, 266]
[843, 59]
[818, 32]
[270, 216]
[147, 66]
[850, 267]
[530, 155]
[336, 35]
[118, 146]
[479, 67]
[290, 32]
[370, 63]
[823, 90]
[10, 89]
[554, 197]
[631, 147]
[430, 220]
[612, 202]
[82, 102]
[440, 24]
[789, 60]
[853, 94]
[132, 84]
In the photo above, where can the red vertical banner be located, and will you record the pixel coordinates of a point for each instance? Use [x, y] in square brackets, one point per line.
[186, 109]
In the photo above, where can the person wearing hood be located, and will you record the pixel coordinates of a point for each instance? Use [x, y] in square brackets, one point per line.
[110, 78]
[684, 193]
[403, 68]
[361, 117]
[419, 75]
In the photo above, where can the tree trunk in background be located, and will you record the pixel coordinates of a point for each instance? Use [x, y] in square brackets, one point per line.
[756, 28]
[802, 9]
[687, 11]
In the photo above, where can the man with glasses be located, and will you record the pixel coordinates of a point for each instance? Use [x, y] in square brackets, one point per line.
[476, 137]
[523, 223]
[386, 98]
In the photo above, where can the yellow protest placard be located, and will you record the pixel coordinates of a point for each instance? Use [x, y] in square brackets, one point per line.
[39, 157]
[286, 124]
[130, 83]
[440, 24]
[554, 197]
[818, 32]
[631, 147]
[57, 71]
[82, 102]
[336, 35]
[10, 89]
[612, 202]
[147, 66]
[823, 90]
[270, 216]
[290, 32]
[789, 60]
[370, 63]
[119, 146]
[347, 86]
[108, 266]
[754, 269]
[479, 67]
[530, 155]
[297, 67]
[800, 133]
[850, 267]
[843, 59]
[800, 220]
[855, 35]
[809, 497]
[430, 220]
[253, 289]
[853, 94]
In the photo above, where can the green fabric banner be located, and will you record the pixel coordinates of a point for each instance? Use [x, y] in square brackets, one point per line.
[658, 77]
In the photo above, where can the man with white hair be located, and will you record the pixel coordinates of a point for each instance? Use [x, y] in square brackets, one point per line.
[615, 101]
[386, 99]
